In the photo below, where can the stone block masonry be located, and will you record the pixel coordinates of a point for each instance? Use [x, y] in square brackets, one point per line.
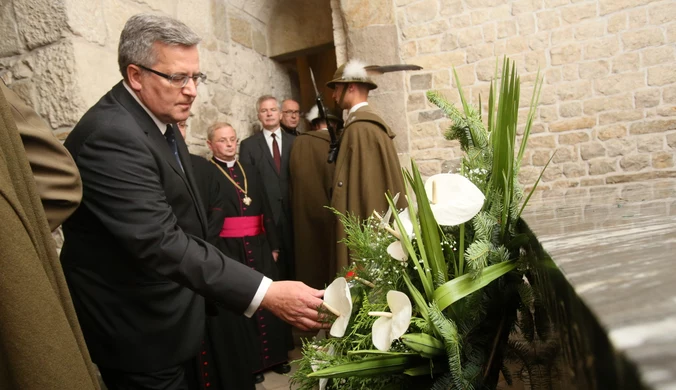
[60, 56]
[608, 105]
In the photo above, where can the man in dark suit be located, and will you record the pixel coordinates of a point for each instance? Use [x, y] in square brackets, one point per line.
[134, 257]
[269, 151]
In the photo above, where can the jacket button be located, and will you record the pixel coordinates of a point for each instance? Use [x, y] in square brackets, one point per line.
[340, 184]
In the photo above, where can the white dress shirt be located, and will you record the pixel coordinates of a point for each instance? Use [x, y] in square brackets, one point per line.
[266, 282]
[278, 136]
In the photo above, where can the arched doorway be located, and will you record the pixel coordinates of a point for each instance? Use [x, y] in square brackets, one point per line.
[300, 35]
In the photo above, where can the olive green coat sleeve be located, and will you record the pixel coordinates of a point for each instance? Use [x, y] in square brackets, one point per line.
[41, 344]
[56, 175]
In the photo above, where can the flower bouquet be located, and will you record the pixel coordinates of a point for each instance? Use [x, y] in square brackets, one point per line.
[435, 289]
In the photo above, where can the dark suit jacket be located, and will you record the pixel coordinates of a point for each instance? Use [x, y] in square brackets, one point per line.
[134, 256]
[255, 151]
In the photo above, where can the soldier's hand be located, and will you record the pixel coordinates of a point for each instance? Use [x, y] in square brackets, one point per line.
[295, 303]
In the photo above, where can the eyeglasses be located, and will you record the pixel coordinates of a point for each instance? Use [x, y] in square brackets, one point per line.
[178, 80]
[289, 112]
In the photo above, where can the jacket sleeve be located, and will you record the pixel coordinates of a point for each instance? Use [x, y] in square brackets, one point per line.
[245, 153]
[128, 198]
[56, 175]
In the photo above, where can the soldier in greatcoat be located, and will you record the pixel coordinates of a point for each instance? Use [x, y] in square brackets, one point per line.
[311, 180]
[367, 166]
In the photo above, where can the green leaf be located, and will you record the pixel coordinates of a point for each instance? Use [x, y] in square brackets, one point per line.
[525, 202]
[380, 353]
[379, 365]
[462, 286]
[424, 344]
[425, 278]
[429, 229]
[425, 369]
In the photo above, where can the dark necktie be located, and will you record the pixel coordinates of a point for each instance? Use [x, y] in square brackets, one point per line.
[171, 140]
[275, 152]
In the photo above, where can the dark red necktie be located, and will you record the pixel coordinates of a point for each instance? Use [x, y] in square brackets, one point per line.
[275, 152]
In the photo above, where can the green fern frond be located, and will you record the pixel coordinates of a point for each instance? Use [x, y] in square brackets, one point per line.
[449, 333]
[483, 226]
[526, 294]
[476, 256]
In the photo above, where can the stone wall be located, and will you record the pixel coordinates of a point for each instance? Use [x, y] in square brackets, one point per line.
[608, 105]
[61, 56]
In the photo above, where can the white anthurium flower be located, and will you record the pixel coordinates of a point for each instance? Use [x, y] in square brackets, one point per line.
[386, 218]
[455, 199]
[391, 325]
[315, 366]
[396, 249]
[338, 300]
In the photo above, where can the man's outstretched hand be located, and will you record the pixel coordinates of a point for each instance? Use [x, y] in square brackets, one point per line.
[295, 303]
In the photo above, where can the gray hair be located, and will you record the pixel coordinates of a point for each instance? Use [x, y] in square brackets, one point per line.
[265, 98]
[218, 125]
[142, 31]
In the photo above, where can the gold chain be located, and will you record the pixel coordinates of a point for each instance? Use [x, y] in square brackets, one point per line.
[246, 197]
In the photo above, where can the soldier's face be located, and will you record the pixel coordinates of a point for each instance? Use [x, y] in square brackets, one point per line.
[268, 114]
[337, 93]
[224, 143]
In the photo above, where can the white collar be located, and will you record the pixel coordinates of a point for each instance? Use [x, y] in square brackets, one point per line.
[230, 164]
[356, 107]
[160, 125]
[268, 133]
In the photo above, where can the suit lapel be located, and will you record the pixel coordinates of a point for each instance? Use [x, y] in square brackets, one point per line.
[156, 137]
[262, 142]
[184, 155]
[287, 143]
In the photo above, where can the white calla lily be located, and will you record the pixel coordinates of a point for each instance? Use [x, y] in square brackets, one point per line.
[315, 366]
[396, 249]
[338, 300]
[455, 199]
[388, 215]
[392, 325]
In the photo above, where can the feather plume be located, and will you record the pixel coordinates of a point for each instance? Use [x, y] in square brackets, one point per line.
[355, 69]
[312, 114]
[378, 70]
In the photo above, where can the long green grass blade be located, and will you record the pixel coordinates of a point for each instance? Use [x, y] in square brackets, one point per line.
[461, 287]
[537, 90]
[425, 278]
[419, 300]
[379, 365]
[525, 202]
[429, 229]
[381, 353]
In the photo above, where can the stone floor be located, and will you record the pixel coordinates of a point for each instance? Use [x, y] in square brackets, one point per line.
[274, 381]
